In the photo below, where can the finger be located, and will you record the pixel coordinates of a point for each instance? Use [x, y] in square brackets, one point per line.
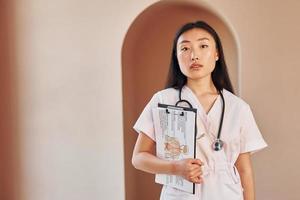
[197, 161]
[195, 173]
[194, 167]
[197, 180]
[198, 172]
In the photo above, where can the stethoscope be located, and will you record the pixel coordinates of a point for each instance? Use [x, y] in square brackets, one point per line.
[218, 143]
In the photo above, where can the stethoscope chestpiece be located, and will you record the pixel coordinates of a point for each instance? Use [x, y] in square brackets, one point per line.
[217, 145]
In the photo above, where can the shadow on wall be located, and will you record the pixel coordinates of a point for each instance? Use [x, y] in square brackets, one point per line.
[146, 55]
[8, 136]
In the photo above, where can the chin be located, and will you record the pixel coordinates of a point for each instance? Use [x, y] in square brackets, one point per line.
[197, 76]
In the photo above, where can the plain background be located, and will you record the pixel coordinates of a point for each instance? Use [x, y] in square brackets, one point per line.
[75, 112]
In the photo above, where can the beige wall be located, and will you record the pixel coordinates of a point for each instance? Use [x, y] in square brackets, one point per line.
[70, 88]
[70, 97]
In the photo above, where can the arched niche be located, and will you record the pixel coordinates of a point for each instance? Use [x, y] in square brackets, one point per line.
[146, 54]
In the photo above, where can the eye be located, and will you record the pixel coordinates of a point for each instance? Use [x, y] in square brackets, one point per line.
[184, 49]
[203, 46]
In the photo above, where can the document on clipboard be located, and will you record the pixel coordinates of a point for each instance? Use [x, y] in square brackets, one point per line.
[175, 134]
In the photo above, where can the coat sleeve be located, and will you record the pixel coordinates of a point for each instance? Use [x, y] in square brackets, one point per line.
[145, 122]
[251, 138]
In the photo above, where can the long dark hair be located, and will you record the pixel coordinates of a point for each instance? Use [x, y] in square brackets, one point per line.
[220, 77]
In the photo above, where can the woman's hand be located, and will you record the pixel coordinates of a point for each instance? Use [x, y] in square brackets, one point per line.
[144, 159]
[190, 169]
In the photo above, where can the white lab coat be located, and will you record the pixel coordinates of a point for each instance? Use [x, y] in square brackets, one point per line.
[240, 134]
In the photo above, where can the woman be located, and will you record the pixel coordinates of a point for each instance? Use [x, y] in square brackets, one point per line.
[198, 69]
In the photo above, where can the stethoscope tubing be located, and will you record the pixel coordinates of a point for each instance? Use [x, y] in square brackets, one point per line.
[217, 145]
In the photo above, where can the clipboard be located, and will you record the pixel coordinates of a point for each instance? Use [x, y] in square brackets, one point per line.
[175, 133]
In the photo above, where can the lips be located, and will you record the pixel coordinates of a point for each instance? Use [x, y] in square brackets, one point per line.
[195, 66]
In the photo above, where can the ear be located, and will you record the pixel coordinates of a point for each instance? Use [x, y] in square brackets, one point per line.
[217, 56]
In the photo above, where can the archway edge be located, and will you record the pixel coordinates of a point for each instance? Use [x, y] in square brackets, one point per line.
[203, 5]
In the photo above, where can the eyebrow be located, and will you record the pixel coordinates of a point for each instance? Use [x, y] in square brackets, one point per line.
[187, 41]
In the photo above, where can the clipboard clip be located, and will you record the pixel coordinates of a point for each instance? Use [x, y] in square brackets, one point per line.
[168, 112]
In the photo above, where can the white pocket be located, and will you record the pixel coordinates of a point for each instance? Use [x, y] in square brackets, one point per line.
[230, 184]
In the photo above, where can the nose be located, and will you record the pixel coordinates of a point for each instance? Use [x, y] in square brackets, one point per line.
[194, 56]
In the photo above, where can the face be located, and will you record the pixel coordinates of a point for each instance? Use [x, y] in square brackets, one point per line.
[196, 53]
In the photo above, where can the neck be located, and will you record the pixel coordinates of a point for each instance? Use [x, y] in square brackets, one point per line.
[202, 86]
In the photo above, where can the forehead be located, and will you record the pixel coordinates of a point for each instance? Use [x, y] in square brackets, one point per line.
[194, 35]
